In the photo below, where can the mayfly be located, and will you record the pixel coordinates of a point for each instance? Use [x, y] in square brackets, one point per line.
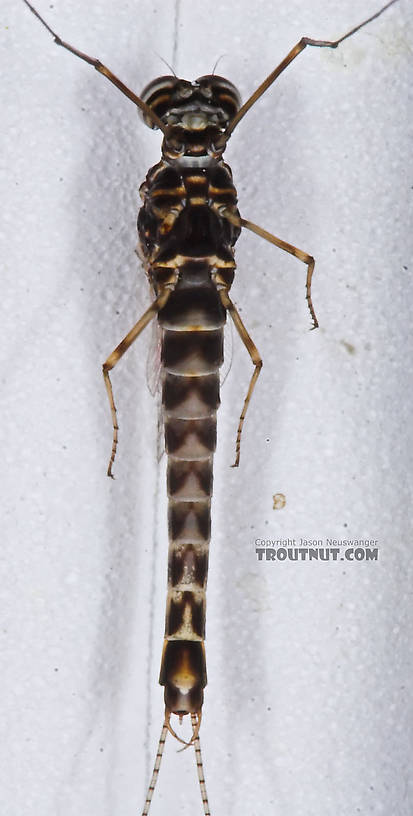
[188, 227]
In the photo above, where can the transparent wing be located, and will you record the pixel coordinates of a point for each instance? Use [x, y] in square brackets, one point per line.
[160, 440]
[228, 351]
[153, 361]
[153, 381]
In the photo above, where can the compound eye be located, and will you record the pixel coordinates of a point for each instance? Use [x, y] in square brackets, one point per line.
[157, 95]
[222, 92]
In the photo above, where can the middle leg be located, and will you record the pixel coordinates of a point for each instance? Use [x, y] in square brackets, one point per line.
[278, 242]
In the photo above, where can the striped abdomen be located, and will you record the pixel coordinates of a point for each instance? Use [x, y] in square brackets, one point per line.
[192, 352]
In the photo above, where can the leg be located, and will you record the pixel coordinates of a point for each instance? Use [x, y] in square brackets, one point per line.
[156, 121]
[119, 351]
[284, 64]
[302, 256]
[255, 357]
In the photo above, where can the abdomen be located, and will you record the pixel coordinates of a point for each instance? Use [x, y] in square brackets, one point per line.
[192, 353]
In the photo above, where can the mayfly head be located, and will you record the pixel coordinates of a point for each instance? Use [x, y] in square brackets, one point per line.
[194, 106]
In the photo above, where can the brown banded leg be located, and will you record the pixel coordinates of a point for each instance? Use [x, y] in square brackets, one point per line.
[220, 143]
[298, 253]
[255, 357]
[156, 121]
[119, 351]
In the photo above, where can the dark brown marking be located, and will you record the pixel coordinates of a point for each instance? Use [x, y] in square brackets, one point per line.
[183, 661]
[187, 565]
[190, 438]
[192, 353]
[189, 480]
[185, 612]
[188, 397]
[189, 521]
[194, 305]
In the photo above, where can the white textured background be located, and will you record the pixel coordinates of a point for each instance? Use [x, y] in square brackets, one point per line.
[308, 706]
